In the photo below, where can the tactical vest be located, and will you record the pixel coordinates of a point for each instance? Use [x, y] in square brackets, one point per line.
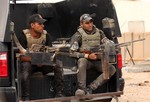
[31, 40]
[89, 40]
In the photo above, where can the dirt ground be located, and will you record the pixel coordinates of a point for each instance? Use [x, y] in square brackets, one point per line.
[137, 87]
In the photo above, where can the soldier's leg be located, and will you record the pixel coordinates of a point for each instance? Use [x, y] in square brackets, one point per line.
[100, 79]
[26, 70]
[59, 78]
[81, 76]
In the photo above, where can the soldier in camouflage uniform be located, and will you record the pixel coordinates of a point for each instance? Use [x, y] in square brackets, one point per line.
[37, 35]
[87, 36]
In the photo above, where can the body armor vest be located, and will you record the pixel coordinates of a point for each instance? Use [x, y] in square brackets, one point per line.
[89, 40]
[31, 40]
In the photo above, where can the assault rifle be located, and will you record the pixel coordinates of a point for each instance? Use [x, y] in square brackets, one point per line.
[128, 43]
[102, 47]
[61, 50]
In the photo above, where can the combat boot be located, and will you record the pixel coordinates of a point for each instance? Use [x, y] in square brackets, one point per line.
[59, 94]
[80, 92]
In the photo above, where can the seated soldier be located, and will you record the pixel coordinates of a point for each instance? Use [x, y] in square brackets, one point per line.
[88, 36]
[37, 35]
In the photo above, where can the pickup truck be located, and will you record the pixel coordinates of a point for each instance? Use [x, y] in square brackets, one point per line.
[62, 21]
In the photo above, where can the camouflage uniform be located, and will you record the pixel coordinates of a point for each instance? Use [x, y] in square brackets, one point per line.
[27, 69]
[89, 39]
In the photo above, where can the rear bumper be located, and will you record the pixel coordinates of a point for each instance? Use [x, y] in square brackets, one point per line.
[8, 94]
[90, 97]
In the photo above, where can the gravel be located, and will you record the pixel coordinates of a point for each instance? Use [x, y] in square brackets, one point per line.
[137, 83]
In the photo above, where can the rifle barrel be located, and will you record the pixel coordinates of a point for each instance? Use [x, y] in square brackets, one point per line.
[128, 43]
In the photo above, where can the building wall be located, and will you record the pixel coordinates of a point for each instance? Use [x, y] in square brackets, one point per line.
[134, 21]
[137, 10]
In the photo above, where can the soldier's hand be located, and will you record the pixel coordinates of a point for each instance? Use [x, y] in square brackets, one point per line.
[93, 56]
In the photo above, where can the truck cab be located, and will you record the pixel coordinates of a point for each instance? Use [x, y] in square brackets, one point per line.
[62, 22]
